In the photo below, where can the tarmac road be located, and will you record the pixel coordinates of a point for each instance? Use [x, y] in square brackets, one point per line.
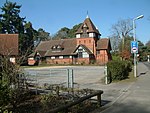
[135, 98]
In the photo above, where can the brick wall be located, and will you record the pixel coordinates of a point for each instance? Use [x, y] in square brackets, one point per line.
[59, 61]
[68, 61]
[88, 42]
[102, 57]
[83, 61]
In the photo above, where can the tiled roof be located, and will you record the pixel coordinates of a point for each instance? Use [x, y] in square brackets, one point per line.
[69, 45]
[9, 44]
[41, 53]
[103, 43]
[90, 25]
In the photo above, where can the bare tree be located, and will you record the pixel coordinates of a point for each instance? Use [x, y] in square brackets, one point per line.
[114, 43]
[148, 43]
[122, 29]
[13, 84]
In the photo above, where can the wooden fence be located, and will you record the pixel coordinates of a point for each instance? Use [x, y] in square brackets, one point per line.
[65, 107]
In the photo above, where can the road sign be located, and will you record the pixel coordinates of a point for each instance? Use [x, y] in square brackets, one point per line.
[134, 47]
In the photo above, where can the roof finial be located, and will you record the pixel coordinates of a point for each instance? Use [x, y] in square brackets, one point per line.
[87, 16]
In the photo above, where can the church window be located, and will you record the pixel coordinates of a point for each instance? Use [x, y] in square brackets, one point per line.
[79, 42]
[89, 41]
[80, 53]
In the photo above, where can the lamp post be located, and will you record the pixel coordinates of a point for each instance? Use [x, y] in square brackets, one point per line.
[134, 36]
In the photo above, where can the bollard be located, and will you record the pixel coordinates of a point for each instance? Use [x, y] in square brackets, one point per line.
[105, 73]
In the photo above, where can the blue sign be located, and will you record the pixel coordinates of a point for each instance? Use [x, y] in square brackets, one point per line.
[134, 47]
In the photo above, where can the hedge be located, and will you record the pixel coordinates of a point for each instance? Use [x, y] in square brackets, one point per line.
[118, 70]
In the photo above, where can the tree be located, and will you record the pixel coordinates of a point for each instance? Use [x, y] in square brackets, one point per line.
[62, 33]
[126, 52]
[72, 32]
[122, 29]
[42, 35]
[12, 85]
[11, 22]
[148, 43]
[65, 32]
[144, 51]
[114, 43]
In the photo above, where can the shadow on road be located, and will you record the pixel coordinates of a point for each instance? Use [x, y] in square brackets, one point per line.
[129, 107]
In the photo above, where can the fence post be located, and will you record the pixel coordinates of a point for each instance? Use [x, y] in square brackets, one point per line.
[99, 99]
[72, 79]
[36, 83]
[68, 78]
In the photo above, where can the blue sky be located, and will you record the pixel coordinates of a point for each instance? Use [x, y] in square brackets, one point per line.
[51, 15]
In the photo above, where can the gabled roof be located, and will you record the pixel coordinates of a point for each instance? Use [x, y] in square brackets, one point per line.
[90, 25]
[41, 53]
[9, 44]
[68, 45]
[85, 48]
[103, 43]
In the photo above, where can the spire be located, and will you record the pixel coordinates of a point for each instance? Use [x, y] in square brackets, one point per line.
[96, 27]
[87, 15]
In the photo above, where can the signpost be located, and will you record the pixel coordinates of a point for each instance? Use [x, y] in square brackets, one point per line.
[134, 47]
[134, 50]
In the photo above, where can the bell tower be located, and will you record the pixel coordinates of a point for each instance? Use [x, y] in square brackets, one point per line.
[88, 35]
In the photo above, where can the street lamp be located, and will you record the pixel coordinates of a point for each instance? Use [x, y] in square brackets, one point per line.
[134, 36]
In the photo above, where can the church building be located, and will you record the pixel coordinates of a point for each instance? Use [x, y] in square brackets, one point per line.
[86, 48]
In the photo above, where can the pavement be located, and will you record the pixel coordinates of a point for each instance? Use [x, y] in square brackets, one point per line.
[127, 97]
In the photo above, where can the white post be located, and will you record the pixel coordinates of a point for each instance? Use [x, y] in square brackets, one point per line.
[105, 72]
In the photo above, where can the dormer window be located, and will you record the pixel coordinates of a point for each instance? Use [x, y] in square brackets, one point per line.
[57, 48]
[54, 47]
[85, 30]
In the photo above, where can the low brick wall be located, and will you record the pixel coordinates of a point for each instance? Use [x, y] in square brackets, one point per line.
[59, 61]
[68, 61]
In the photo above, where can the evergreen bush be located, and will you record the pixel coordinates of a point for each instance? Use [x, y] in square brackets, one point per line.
[118, 70]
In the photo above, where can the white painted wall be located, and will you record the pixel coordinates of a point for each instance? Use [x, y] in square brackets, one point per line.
[91, 34]
[52, 57]
[61, 57]
[78, 36]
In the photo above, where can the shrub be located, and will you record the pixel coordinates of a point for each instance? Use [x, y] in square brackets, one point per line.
[119, 70]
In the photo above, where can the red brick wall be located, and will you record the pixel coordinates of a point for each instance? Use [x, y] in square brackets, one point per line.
[102, 57]
[83, 61]
[31, 61]
[88, 42]
[59, 61]
[68, 61]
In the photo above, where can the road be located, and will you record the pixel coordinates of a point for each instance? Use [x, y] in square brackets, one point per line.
[147, 64]
[135, 98]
